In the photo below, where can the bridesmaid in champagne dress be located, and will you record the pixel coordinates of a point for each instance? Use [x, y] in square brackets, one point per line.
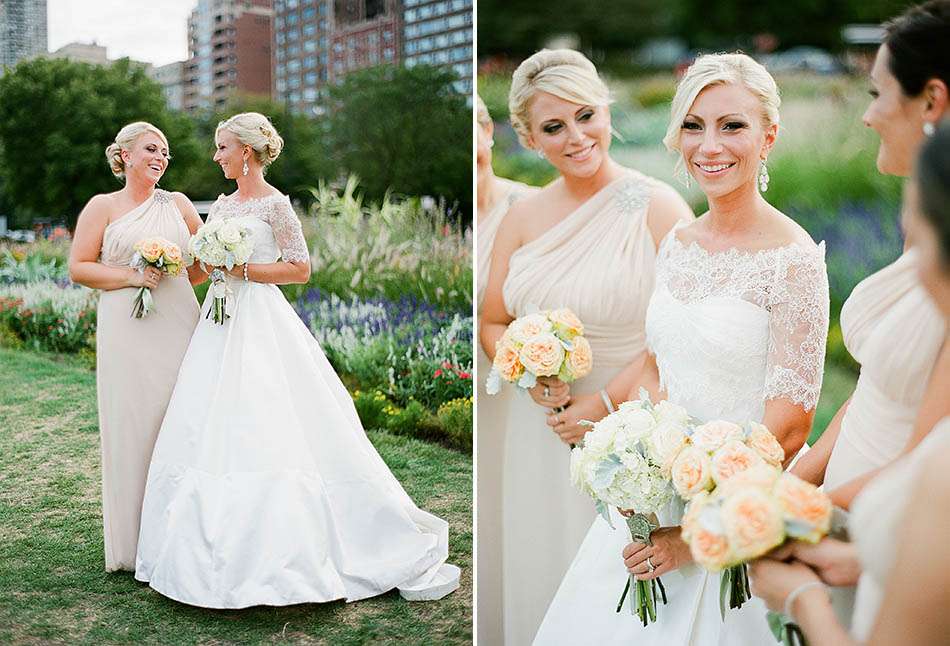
[890, 323]
[586, 241]
[137, 359]
[899, 520]
[495, 196]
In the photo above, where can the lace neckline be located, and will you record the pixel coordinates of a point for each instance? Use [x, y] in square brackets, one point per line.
[233, 199]
[730, 253]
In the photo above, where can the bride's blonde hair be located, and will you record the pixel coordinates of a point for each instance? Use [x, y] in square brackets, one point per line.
[255, 130]
[124, 140]
[565, 73]
[721, 69]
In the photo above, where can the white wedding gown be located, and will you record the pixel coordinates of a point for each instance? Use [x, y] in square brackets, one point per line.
[263, 488]
[730, 330]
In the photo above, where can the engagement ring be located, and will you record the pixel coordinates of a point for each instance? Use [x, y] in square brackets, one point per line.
[650, 564]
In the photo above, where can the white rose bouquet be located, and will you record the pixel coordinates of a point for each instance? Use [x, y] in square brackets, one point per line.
[161, 254]
[749, 514]
[222, 243]
[714, 454]
[625, 462]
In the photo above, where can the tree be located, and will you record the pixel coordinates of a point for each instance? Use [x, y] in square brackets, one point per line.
[403, 129]
[56, 119]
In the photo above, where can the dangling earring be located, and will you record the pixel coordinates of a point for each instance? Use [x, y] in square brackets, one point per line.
[491, 144]
[540, 154]
[763, 177]
[245, 167]
[929, 129]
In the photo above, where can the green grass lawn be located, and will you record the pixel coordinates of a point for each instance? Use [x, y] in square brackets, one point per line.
[53, 588]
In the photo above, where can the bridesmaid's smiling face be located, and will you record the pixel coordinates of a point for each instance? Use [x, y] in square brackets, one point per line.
[147, 159]
[895, 117]
[724, 137]
[573, 137]
[230, 154]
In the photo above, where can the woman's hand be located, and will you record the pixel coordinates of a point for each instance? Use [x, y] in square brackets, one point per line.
[150, 278]
[567, 423]
[772, 581]
[835, 562]
[668, 552]
[550, 392]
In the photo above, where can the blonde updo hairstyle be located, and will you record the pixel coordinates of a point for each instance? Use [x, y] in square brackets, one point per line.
[255, 130]
[720, 69]
[124, 141]
[565, 73]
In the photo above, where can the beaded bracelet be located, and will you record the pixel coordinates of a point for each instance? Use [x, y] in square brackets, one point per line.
[245, 272]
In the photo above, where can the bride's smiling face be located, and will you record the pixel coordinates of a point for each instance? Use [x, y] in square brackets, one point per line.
[574, 138]
[229, 153]
[723, 139]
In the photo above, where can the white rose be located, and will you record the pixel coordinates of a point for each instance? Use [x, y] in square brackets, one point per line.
[529, 326]
[665, 443]
[229, 233]
[711, 435]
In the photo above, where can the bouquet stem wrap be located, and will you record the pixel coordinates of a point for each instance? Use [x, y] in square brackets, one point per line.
[643, 603]
[219, 287]
[786, 631]
[143, 302]
[734, 588]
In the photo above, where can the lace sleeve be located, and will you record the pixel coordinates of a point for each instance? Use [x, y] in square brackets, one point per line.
[288, 232]
[798, 329]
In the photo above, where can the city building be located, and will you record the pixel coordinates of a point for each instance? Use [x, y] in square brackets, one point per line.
[302, 32]
[439, 32]
[91, 53]
[22, 31]
[365, 34]
[230, 51]
[172, 79]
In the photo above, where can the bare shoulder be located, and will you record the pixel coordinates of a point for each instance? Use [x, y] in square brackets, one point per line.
[786, 231]
[182, 201]
[99, 209]
[667, 209]
[528, 205]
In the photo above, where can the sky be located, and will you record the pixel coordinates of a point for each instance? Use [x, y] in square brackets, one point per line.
[155, 32]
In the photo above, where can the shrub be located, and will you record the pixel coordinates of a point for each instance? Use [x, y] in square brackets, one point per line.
[405, 421]
[46, 316]
[370, 406]
[455, 417]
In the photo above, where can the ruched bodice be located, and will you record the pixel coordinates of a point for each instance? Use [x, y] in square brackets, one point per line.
[895, 331]
[156, 216]
[598, 261]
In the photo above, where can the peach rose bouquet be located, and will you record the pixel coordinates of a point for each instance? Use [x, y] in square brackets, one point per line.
[624, 461]
[748, 515]
[161, 254]
[550, 343]
[719, 457]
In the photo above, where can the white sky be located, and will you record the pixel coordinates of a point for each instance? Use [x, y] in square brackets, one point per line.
[155, 32]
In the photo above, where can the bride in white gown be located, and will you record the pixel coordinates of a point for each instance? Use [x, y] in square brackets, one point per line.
[263, 487]
[736, 329]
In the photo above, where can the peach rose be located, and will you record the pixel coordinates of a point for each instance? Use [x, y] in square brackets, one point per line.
[580, 360]
[690, 520]
[566, 322]
[691, 472]
[764, 443]
[710, 550]
[173, 254]
[731, 458]
[542, 355]
[711, 435]
[150, 248]
[507, 363]
[806, 508]
[753, 522]
[527, 327]
[759, 476]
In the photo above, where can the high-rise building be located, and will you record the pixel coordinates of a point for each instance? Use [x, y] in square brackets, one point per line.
[22, 30]
[365, 34]
[230, 47]
[172, 79]
[302, 32]
[439, 32]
